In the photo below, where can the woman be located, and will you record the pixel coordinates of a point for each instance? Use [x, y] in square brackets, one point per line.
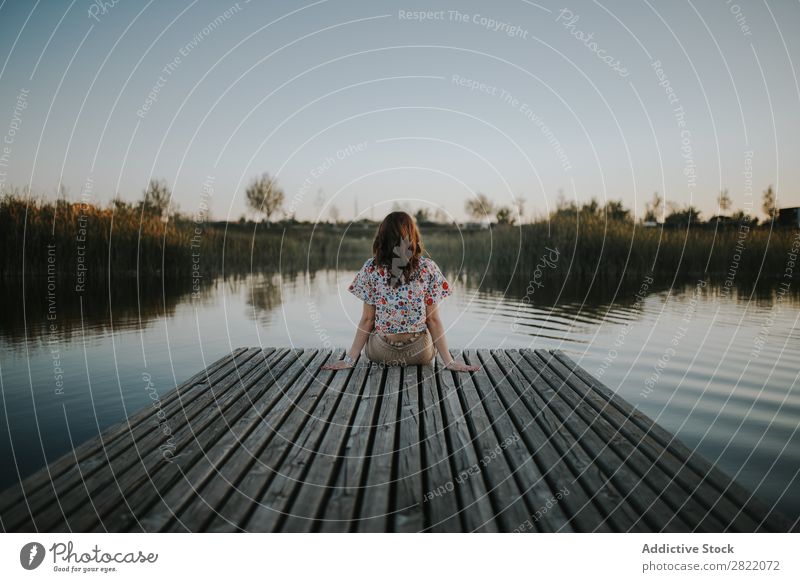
[401, 290]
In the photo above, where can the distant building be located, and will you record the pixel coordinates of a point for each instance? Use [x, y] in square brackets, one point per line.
[789, 217]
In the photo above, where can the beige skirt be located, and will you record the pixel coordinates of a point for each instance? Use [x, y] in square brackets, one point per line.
[418, 351]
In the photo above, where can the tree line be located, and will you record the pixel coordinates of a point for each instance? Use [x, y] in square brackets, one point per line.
[482, 209]
[265, 199]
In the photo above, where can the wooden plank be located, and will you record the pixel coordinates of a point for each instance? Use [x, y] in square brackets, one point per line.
[478, 513]
[73, 490]
[285, 427]
[635, 490]
[339, 508]
[274, 506]
[141, 479]
[268, 441]
[374, 514]
[442, 513]
[741, 497]
[564, 464]
[480, 392]
[691, 487]
[680, 503]
[409, 515]
[194, 498]
[283, 397]
[508, 501]
[21, 492]
[316, 485]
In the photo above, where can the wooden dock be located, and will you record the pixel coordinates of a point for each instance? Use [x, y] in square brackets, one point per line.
[263, 440]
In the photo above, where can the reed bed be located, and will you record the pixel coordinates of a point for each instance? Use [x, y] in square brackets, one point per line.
[63, 238]
[596, 249]
[86, 241]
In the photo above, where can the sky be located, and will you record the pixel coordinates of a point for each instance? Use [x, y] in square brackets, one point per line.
[365, 105]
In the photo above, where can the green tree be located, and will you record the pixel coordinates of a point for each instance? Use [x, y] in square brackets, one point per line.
[119, 205]
[264, 196]
[333, 212]
[743, 217]
[440, 217]
[156, 198]
[723, 201]
[654, 210]
[770, 204]
[564, 208]
[422, 216]
[592, 207]
[479, 207]
[505, 215]
[520, 204]
[615, 210]
[683, 216]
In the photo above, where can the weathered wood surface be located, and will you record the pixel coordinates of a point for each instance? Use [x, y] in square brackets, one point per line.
[264, 440]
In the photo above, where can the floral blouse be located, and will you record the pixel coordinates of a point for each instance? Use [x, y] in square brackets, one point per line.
[400, 309]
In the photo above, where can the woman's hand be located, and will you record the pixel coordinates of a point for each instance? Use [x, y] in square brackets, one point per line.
[340, 365]
[454, 366]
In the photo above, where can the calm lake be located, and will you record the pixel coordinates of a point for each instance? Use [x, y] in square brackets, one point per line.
[717, 368]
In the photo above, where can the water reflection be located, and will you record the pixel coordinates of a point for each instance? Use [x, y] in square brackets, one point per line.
[264, 295]
[35, 307]
[728, 387]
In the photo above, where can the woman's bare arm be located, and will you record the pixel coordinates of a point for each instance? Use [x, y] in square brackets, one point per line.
[365, 326]
[436, 327]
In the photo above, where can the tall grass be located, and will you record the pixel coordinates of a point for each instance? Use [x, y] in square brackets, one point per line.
[595, 249]
[121, 240]
[38, 237]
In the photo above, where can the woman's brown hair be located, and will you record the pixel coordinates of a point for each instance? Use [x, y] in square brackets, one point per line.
[388, 247]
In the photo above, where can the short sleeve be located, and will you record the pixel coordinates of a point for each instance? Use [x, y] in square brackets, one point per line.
[363, 285]
[437, 287]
